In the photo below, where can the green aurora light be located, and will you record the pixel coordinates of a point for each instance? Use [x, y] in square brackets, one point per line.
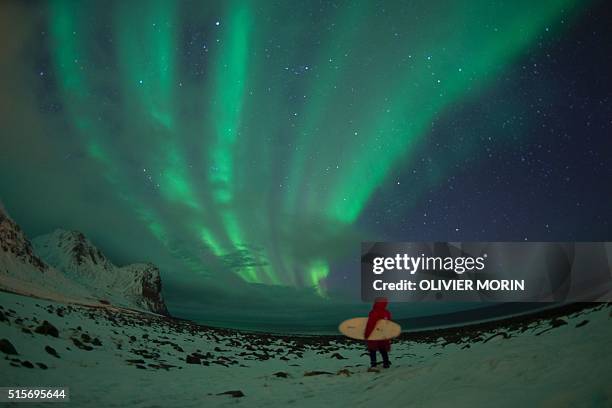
[227, 151]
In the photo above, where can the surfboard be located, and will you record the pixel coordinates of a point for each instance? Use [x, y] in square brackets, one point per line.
[355, 328]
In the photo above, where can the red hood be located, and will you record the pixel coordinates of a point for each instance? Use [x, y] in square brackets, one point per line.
[380, 304]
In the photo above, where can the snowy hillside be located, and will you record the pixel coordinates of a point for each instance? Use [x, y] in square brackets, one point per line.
[22, 271]
[128, 359]
[137, 285]
[65, 266]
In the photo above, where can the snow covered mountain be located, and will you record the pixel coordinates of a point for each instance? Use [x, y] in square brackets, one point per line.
[136, 285]
[22, 271]
[66, 266]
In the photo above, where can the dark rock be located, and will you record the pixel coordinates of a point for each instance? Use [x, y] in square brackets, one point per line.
[582, 323]
[41, 365]
[502, 334]
[27, 364]
[2, 317]
[261, 357]
[313, 373]
[96, 342]
[146, 353]
[233, 393]
[86, 338]
[141, 367]
[52, 351]
[338, 356]
[558, 322]
[281, 374]
[191, 359]
[136, 361]
[26, 330]
[6, 347]
[47, 329]
[80, 345]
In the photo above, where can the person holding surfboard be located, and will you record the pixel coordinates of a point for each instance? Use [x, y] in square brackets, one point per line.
[379, 312]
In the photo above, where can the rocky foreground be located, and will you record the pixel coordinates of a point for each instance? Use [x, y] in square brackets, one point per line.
[115, 357]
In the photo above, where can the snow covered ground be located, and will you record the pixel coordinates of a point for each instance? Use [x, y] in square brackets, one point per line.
[110, 357]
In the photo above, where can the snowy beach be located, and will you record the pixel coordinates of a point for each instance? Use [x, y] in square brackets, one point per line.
[114, 357]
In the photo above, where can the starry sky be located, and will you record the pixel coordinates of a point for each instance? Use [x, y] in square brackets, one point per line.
[248, 147]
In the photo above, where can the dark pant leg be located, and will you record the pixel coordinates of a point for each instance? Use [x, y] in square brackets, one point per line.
[372, 357]
[384, 355]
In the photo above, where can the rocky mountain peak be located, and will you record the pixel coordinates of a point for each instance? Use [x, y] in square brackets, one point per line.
[149, 285]
[138, 285]
[76, 249]
[13, 241]
[65, 264]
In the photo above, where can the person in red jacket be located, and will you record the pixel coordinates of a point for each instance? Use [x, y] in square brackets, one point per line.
[379, 311]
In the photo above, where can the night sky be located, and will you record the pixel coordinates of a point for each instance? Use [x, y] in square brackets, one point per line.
[248, 147]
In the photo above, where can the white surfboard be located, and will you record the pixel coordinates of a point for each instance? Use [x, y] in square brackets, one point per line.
[355, 328]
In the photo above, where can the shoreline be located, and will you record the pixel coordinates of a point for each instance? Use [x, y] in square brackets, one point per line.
[449, 332]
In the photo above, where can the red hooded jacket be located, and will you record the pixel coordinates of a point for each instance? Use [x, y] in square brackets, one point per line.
[379, 311]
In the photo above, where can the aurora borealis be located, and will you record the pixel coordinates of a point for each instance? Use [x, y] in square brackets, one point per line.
[249, 146]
